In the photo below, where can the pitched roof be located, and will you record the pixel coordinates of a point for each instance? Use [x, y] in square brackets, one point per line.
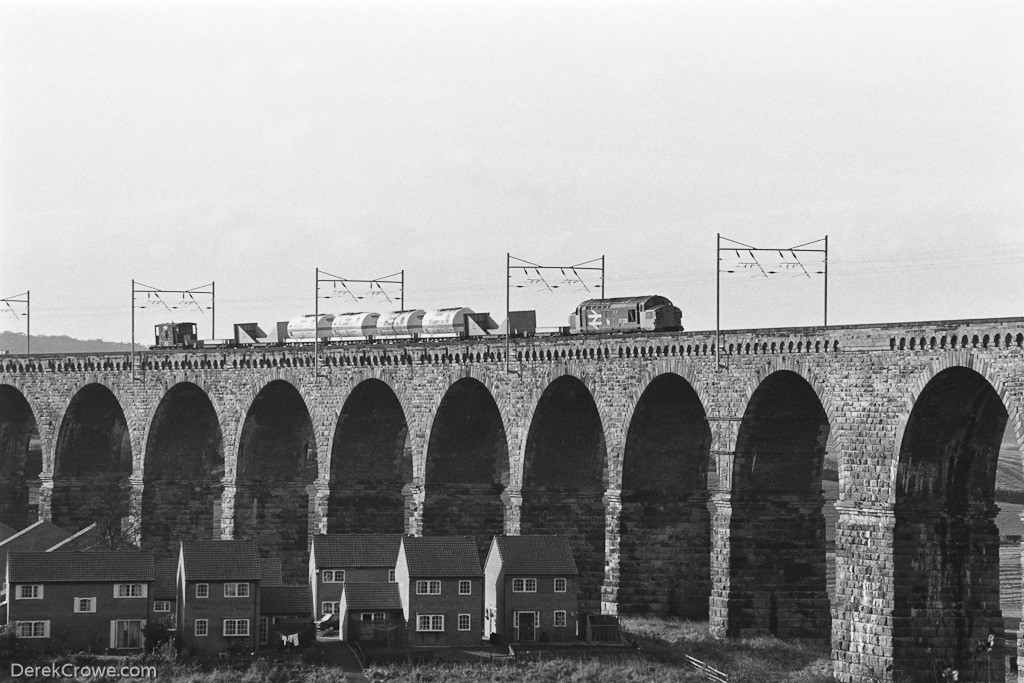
[92, 567]
[442, 556]
[89, 538]
[221, 560]
[39, 536]
[536, 555]
[372, 596]
[356, 550]
[271, 571]
[165, 585]
[285, 600]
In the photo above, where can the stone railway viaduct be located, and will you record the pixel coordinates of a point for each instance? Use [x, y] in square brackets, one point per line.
[689, 484]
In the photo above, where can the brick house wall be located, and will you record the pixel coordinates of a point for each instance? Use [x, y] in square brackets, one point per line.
[215, 609]
[77, 632]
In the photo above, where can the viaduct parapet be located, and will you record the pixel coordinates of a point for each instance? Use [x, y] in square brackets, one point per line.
[690, 484]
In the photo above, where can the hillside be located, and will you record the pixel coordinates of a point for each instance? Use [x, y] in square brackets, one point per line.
[14, 342]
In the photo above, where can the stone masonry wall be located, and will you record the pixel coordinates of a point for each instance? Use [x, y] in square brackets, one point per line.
[866, 377]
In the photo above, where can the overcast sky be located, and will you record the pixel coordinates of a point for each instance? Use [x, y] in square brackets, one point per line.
[248, 143]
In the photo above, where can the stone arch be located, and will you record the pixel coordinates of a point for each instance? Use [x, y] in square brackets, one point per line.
[275, 469]
[92, 463]
[21, 459]
[945, 541]
[466, 468]
[665, 525]
[565, 474]
[135, 436]
[370, 468]
[183, 461]
[777, 569]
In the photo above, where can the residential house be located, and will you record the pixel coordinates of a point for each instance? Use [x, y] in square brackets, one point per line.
[530, 589]
[80, 601]
[440, 583]
[336, 559]
[371, 613]
[285, 620]
[35, 537]
[217, 598]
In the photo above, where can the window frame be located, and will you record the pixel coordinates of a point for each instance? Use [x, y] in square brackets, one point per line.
[565, 585]
[31, 624]
[236, 623]
[527, 585]
[126, 591]
[78, 606]
[468, 585]
[157, 604]
[331, 576]
[469, 622]
[427, 586]
[206, 627]
[565, 621]
[333, 604]
[430, 623]
[37, 591]
[205, 591]
[391, 576]
[236, 586]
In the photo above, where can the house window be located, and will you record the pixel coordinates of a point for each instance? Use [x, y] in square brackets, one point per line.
[126, 634]
[236, 627]
[428, 588]
[32, 591]
[464, 622]
[559, 618]
[391, 576]
[129, 590]
[328, 607]
[33, 629]
[84, 605]
[559, 585]
[236, 590]
[334, 576]
[202, 627]
[161, 605]
[430, 622]
[371, 616]
[264, 630]
[465, 588]
[202, 590]
[524, 585]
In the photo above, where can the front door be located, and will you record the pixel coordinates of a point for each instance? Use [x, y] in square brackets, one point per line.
[527, 627]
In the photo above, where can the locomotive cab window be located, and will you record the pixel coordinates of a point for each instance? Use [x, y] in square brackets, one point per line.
[632, 316]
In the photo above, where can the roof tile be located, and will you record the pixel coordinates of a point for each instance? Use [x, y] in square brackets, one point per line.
[356, 550]
[285, 600]
[536, 555]
[221, 560]
[100, 566]
[372, 596]
[442, 556]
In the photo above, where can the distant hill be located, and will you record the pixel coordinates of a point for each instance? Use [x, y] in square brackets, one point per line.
[14, 343]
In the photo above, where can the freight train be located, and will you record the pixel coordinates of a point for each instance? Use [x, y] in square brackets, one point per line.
[595, 316]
